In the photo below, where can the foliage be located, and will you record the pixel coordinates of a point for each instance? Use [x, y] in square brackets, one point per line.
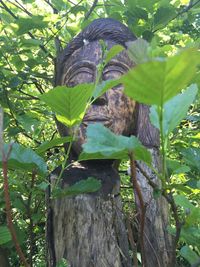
[32, 34]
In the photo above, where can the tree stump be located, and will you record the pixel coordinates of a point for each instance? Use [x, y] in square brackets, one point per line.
[88, 229]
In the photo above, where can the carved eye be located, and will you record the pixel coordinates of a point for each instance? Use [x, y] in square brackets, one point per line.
[80, 72]
[114, 70]
[81, 75]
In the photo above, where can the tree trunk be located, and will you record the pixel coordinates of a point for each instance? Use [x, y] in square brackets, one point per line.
[88, 230]
[4, 262]
[157, 240]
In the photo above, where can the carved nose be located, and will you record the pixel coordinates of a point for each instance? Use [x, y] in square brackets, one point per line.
[101, 101]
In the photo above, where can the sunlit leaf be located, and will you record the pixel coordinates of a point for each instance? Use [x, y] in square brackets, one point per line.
[103, 87]
[174, 110]
[89, 185]
[157, 81]
[163, 15]
[55, 142]
[27, 24]
[69, 104]
[103, 144]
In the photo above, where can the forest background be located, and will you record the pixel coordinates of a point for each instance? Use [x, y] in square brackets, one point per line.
[32, 34]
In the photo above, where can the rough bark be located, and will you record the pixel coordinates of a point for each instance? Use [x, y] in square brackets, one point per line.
[157, 240]
[88, 230]
[4, 262]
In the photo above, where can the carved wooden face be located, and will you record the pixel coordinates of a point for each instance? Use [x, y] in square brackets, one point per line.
[113, 109]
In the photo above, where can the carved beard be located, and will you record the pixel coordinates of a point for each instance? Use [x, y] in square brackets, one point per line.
[113, 109]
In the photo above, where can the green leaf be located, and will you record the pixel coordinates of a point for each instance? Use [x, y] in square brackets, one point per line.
[174, 110]
[156, 82]
[187, 253]
[29, 123]
[69, 103]
[193, 217]
[192, 156]
[183, 202]
[55, 142]
[163, 16]
[82, 187]
[27, 24]
[190, 235]
[103, 144]
[30, 42]
[103, 87]
[62, 263]
[175, 167]
[116, 49]
[138, 51]
[5, 235]
[24, 159]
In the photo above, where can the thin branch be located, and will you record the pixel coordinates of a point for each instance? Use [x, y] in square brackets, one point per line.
[29, 33]
[142, 208]
[91, 9]
[52, 6]
[186, 9]
[132, 242]
[7, 195]
[20, 7]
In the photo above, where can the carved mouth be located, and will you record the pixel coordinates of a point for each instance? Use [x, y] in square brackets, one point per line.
[92, 119]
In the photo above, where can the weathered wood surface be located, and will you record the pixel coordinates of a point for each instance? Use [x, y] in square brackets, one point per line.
[4, 262]
[88, 230]
[157, 240]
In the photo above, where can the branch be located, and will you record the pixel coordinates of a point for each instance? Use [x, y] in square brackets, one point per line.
[29, 33]
[142, 208]
[186, 9]
[91, 9]
[7, 195]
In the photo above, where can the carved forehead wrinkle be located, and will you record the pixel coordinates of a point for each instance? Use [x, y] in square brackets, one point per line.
[92, 53]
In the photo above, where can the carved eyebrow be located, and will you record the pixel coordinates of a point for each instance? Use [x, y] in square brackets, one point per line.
[116, 63]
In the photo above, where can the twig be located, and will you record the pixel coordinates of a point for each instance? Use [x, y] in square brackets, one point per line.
[186, 9]
[7, 195]
[29, 33]
[132, 242]
[91, 9]
[142, 208]
[29, 213]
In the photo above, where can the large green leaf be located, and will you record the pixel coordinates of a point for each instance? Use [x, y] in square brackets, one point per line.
[69, 103]
[138, 51]
[182, 201]
[174, 110]
[82, 187]
[103, 144]
[27, 24]
[163, 15]
[192, 156]
[103, 87]
[24, 158]
[187, 253]
[5, 235]
[157, 81]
